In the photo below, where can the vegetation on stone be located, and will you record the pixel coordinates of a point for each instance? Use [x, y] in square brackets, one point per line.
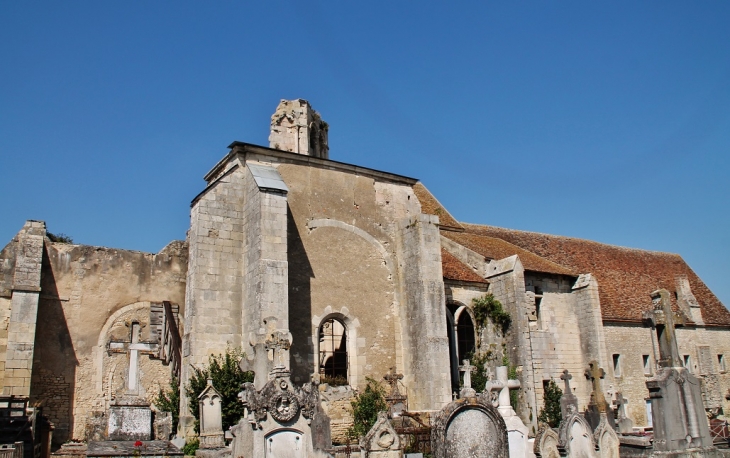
[365, 408]
[168, 400]
[487, 307]
[550, 412]
[228, 379]
[60, 237]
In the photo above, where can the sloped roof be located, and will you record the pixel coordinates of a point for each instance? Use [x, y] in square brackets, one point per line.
[626, 276]
[453, 269]
[431, 206]
[496, 248]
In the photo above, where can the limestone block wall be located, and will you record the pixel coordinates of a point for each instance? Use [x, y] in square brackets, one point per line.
[214, 275]
[82, 289]
[341, 246]
[633, 342]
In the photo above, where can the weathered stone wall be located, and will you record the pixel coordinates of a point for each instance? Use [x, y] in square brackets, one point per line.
[213, 302]
[633, 341]
[83, 288]
[337, 404]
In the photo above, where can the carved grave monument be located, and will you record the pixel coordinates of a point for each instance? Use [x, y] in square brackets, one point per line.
[382, 441]
[517, 432]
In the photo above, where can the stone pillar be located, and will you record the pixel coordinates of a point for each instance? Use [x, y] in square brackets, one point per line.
[423, 311]
[24, 309]
[266, 271]
[296, 127]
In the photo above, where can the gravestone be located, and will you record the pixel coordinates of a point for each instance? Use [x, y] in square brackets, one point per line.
[162, 426]
[678, 414]
[382, 441]
[469, 427]
[568, 400]
[597, 405]
[467, 391]
[575, 437]
[517, 432]
[606, 439]
[286, 443]
[546, 442]
[625, 424]
[211, 418]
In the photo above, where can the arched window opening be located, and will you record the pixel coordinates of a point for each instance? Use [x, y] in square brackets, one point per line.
[333, 352]
[465, 333]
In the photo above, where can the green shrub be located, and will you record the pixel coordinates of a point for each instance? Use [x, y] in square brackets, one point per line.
[488, 308]
[228, 379]
[191, 447]
[365, 408]
[60, 237]
[169, 401]
[550, 412]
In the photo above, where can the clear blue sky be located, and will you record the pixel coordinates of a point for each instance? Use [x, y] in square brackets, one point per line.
[602, 120]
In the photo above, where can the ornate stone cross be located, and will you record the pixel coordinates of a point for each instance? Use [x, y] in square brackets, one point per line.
[392, 378]
[503, 384]
[279, 343]
[134, 347]
[595, 373]
[467, 369]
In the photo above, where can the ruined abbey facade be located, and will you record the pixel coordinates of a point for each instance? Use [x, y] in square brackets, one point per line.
[340, 273]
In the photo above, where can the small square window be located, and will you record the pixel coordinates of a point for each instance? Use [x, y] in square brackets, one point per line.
[687, 362]
[616, 365]
[721, 362]
[646, 362]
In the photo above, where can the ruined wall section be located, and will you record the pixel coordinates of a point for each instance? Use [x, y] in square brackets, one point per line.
[214, 276]
[82, 288]
[7, 269]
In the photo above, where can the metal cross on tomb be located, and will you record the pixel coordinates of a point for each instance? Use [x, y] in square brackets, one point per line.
[467, 369]
[134, 347]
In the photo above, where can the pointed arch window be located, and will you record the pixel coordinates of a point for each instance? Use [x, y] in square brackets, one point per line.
[333, 351]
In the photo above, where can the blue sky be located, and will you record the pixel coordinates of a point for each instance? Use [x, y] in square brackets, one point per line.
[605, 121]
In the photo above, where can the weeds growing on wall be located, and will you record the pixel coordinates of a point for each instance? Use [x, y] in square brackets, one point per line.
[550, 412]
[228, 379]
[168, 400]
[59, 238]
[365, 408]
[488, 308]
[191, 447]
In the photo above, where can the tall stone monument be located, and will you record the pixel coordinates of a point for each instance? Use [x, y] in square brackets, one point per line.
[517, 432]
[678, 415]
[212, 440]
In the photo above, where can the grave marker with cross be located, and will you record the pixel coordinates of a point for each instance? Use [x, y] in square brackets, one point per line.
[568, 401]
[135, 348]
[595, 373]
[625, 424]
[467, 369]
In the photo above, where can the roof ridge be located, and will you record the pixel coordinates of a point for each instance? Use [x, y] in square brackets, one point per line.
[578, 239]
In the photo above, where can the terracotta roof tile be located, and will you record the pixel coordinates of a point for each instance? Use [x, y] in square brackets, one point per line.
[431, 206]
[625, 276]
[453, 269]
[496, 248]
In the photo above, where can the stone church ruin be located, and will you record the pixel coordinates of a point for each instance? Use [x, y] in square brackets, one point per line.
[326, 275]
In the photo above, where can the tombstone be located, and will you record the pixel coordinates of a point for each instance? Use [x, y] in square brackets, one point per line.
[546, 442]
[568, 400]
[469, 427]
[517, 432]
[211, 418]
[467, 391]
[625, 424]
[162, 426]
[397, 402]
[575, 437]
[606, 439]
[597, 404]
[382, 441]
[678, 414]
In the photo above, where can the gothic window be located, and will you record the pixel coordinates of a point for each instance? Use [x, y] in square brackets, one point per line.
[462, 338]
[333, 352]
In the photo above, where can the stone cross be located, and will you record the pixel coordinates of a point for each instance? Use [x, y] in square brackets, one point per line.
[662, 319]
[621, 402]
[467, 369]
[503, 385]
[279, 343]
[392, 379]
[135, 348]
[566, 377]
[595, 373]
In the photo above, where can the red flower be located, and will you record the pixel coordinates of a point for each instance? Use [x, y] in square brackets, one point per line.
[138, 444]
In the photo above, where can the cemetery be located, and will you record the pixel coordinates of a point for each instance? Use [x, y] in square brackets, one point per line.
[323, 309]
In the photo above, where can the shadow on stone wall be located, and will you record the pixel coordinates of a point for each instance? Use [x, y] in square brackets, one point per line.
[54, 360]
[300, 305]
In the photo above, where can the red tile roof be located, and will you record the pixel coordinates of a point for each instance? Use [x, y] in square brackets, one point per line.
[496, 248]
[453, 269]
[625, 276]
[431, 206]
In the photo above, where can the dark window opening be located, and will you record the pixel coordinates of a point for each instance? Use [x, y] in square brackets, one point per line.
[465, 333]
[333, 352]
